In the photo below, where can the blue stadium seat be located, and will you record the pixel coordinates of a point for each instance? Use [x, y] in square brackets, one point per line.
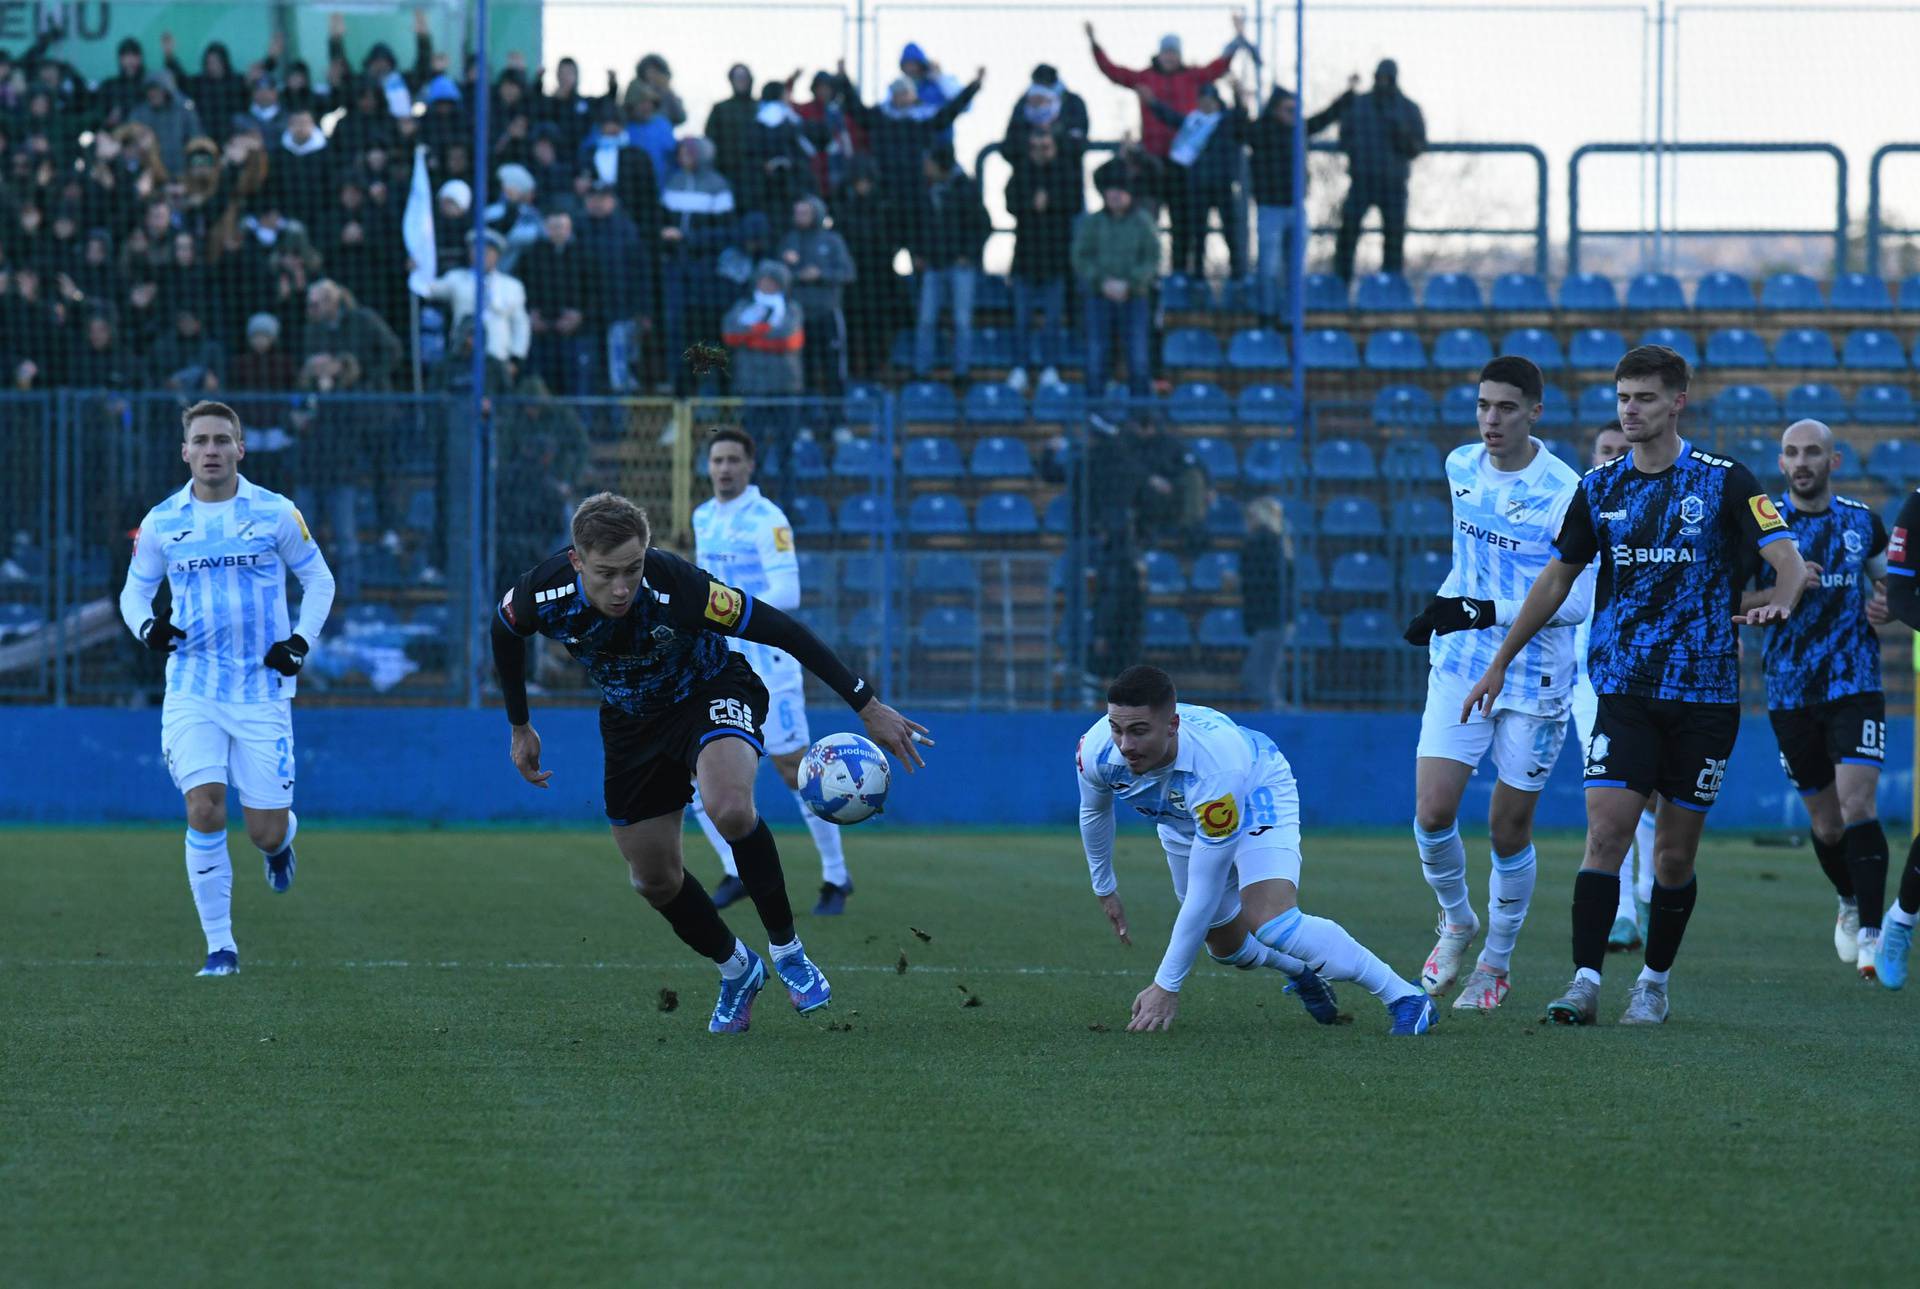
[1744, 405]
[1536, 344]
[1199, 403]
[1462, 349]
[1066, 350]
[810, 515]
[1420, 517]
[1298, 516]
[1884, 405]
[991, 293]
[1411, 461]
[1655, 292]
[1239, 295]
[1818, 403]
[1861, 292]
[1182, 294]
[1164, 574]
[1369, 630]
[1895, 462]
[1274, 463]
[862, 404]
[436, 617]
[1006, 514]
[1681, 342]
[1059, 518]
[1361, 573]
[1790, 292]
[1737, 347]
[1598, 405]
[860, 459]
[1395, 350]
[992, 347]
[944, 574]
[1452, 293]
[1909, 298]
[1308, 577]
[933, 456]
[1521, 293]
[1326, 293]
[370, 615]
[926, 400]
[1265, 405]
[1596, 349]
[809, 460]
[1406, 406]
[1423, 571]
[1383, 293]
[1588, 293]
[1257, 349]
[999, 457]
[1221, 629]
[991, 403]
[1225, 517]
[947, 626]
[1188, 347]
[1556, 409]
[1329, 350]
[1805, 347]
[1215, 457]
[420, 510]
[1571, 453]
[1309, 631]
[816, 570]
[1166, 629]
[864, 574]
[1344, 461]
[1064, 404]
[1873, 349]
[1721, 290]
[867, 516]
[1351, 517]
[1846, 462]
[1214, 571]
[1460, 407]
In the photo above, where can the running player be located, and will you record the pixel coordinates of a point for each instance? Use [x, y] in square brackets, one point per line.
[1902, 601]
[744, 540]
[1228, 814]
[1636, 870]
[1673, 529]
[677, 706]
[1823, 686]
[1509, 495]
[224, 547]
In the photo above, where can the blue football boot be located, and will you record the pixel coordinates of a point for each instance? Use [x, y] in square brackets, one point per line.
[221, 962]
[1316, 995]
[1895, 942]
[733, 1012]
[805, 985]
[833, 900]
[280, 870]
[1414, 1014]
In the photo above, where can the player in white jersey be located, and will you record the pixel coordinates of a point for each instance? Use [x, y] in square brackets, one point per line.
[1636, 884]
[225, 547]
[743, 539]
[1228, 815]
[1509, 496]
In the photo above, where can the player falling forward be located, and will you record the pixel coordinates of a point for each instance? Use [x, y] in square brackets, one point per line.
[1636, 870]
[224, 547]
[1509, 495]
[651, 629]
[744, 540]
[1228, 815]
[1823, 686]
[1903, 602]
[1672, 529]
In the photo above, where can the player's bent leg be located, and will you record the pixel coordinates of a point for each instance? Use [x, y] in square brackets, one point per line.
[651, 848]
[1828, 829]
[271, 830]
[1864, 844]
[835, 884]
[729, 890]
[1439, 783]
[1233, 944]
[1326, 947]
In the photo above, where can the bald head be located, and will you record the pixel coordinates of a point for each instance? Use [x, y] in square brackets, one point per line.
[1806, 459]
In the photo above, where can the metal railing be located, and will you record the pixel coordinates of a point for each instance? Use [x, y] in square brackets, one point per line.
[1876, 225]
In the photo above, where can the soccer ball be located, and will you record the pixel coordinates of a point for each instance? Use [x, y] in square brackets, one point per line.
[844, 778]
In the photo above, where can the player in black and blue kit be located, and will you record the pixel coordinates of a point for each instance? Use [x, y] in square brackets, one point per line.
[678, 706]
[1903, 603]
[1673, 530]
[1823, 686]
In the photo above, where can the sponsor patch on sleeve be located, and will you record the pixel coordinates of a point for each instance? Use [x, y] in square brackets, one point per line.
[506, 608]
[783, 538]
[1218, 818]
[301, 521]
[1897, 546]
[1765, 514]
[724, 604]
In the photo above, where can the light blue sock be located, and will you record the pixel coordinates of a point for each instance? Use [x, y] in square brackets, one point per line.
[1326, 947]
[210, 878]
[1443, 858]
[1509, 893]
[1252, 955]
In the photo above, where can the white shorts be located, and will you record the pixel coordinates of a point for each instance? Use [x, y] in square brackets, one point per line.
[1586, 706]
[249, 745]
[1273, 853]
[1524, 746]
[785, 729]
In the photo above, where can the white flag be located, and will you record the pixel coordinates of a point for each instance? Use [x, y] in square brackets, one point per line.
[416, 228]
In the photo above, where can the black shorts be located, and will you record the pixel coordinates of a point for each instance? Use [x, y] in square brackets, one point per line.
[650, 759]
[1845, 731]
[1677, 749]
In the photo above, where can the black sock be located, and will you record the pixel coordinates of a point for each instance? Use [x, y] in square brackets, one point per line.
[1596, 898]
[694, 919]
[1833, 862]
[1866, 845]
[758, 860]
[1910, 881]
[1667, 922]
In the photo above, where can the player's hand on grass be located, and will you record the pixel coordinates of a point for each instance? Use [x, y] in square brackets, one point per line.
[159, 634]
[895, 733]
[288, 656]
[1117, 915]
[1153, 1009]
[526, 756]
[1485, 690]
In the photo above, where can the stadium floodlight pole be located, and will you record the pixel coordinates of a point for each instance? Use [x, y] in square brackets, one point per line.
[1659, 130]
[1297, 253]
[477, 422]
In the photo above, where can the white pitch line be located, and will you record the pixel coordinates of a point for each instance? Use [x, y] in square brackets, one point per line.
[395, 964]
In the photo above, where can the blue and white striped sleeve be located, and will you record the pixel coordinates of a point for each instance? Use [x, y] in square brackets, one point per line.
[301, 554]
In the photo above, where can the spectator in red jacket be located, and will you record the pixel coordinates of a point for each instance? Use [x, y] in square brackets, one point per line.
[1170, 80]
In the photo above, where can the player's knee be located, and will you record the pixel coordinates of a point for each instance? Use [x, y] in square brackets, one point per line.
[1509, 839]
[1431, 817]
[267, 837]
[656, 888]
[733, 815]
[1827, 834]
[206, 814]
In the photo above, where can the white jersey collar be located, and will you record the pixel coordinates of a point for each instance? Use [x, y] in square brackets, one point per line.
[748, 495]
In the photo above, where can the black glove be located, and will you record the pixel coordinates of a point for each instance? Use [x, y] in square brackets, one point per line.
[159, 633]
[288, 656]
[1446, 614]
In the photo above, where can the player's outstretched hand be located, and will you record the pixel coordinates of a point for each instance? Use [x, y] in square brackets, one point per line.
[160, 634]
[1420, 629]
[1453, 613]
[1153, 1009]
[1485, 690]
[1117, 915]
[1761, 615]
[526, 755]
[288, 656]
[895, 733]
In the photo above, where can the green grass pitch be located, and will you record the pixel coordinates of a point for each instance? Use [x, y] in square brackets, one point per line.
[446, 1062]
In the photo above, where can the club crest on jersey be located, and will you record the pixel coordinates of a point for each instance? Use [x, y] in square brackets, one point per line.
[724, 604]
[1518, 506]
[1219, 817]
[1692, 510]
[1854, 542]
[1766, 514]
